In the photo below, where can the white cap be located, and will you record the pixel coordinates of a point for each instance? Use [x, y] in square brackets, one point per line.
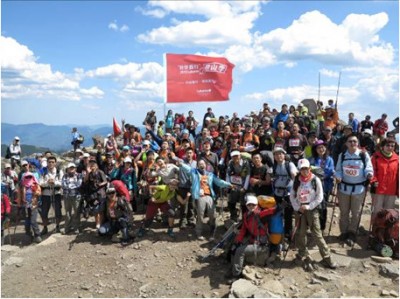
[235, 153]
[208, 118]
[78, 150]
[127, 160]
[109, 135]
[86, 155]
[16, 138]
[251, 199]
[70, 165]
[279, 149]
[368, 131]
[7, 165]
[146, 142]
[300, 104]
[303, 163]
[24, 162]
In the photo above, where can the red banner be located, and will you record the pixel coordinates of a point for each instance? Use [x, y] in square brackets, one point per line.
[116, 128]
[194, 78]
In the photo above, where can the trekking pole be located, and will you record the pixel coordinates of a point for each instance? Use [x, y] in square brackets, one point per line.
[17, 219]
[291, 241]
[362, 208]
[52, 203]
[221, 211]
[334, 207]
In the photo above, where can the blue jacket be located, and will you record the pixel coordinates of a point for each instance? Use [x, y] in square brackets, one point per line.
[280, 117]
[195, 178]
[329, 171]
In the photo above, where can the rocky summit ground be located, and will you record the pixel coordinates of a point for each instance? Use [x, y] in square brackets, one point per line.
[157, 267]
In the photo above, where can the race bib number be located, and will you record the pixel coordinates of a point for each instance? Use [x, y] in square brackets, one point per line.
[304, 196]
[294, 142]
[237, 180]
[351, 170]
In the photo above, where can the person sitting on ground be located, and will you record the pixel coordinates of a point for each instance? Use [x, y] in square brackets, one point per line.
[118, 216]
[305, 196]
[255, 230]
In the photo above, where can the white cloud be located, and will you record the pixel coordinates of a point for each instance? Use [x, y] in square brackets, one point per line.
[90, 107]
[24, 76]
[114, 26]
[227, 23]
[329, 73]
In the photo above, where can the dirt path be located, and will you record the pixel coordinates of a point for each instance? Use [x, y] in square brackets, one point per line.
[156, 266]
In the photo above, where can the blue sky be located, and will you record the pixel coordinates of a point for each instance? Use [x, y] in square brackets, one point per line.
[85, 62]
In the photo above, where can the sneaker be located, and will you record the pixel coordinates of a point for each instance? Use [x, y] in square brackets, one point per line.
[124, 242]
[351, 239]
[37, 239]
[298, 260]
[200, 238]
[170, 232]
[44, 231]
[141, 232]
[308, 264]
[329, 263]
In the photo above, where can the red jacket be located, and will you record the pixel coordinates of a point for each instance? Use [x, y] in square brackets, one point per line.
[253, 226]
[386, 173]
[5, 206]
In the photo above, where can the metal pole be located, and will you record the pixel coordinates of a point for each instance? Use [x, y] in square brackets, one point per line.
[337, 92]
[319, 85]
[359, 219]
[334, 207]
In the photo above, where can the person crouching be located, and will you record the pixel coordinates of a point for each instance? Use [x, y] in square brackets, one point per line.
[118, 216]
[254, 228]
[306, 196]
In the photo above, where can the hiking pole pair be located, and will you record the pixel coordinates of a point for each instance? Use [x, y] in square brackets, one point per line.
[335, 201]
[296, 227]
[361, 212]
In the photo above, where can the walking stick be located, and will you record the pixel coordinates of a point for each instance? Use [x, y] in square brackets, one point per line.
[334, 207]
[52, 203]
[362, 208]
[291, 241]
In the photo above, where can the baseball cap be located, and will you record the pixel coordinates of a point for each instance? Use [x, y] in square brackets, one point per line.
[110, 190]
[185, 131]
[24, 163]
[7, 165]
[207, 140]
[300, 105]
[70, 165]
[208, 118]
[279, 149]
[125, 148]
[328, 129]
[16, 138]
[109, 135]
[78, 150]
[251, 199]
[303, 163]
[319, 142]
[93, 160]
[235, 153]
[86, 155]
[146, 142]
[127, 160]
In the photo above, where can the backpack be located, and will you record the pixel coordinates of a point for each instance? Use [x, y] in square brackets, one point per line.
[80, 139]
[287, 167]
[121, 189]
[385, 231]
[361, 156]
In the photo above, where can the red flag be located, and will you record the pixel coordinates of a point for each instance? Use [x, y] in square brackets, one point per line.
[194, 78]
[116, 128]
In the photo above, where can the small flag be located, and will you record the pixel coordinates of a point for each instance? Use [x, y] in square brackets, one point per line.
[116, 128]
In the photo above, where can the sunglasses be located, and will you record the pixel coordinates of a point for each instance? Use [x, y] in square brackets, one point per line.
[29, 177]
[390, 145]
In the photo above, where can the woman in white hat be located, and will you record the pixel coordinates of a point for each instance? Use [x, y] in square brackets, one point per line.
[306, 196]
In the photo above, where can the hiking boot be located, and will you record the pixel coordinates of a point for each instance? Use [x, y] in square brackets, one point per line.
[343, 237]
[170, 232]
[44, 231]
[141, 232]
[58, 230]
[37, 239]
[124, 242]
[329, 263]
[308, 264]
[28, 231]
[298, 260]
[351, 239]
[230, 277]
[200, 238]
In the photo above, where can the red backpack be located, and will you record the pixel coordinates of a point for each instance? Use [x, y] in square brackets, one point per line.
[121, 189]
[385, 229]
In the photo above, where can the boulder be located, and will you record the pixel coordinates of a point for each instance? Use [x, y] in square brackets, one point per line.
[390, 271]
[243, 288]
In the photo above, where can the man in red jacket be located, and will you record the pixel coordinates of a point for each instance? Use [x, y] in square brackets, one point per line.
[5, 211]
[380, 128]
[385, 182]
[253, 229]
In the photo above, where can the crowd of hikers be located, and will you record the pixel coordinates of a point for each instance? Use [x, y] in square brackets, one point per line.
[278, 170]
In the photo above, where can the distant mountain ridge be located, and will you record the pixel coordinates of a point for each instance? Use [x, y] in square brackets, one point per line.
[57, 138]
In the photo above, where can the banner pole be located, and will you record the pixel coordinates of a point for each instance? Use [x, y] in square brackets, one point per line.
[165, 84]
[319, 85]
